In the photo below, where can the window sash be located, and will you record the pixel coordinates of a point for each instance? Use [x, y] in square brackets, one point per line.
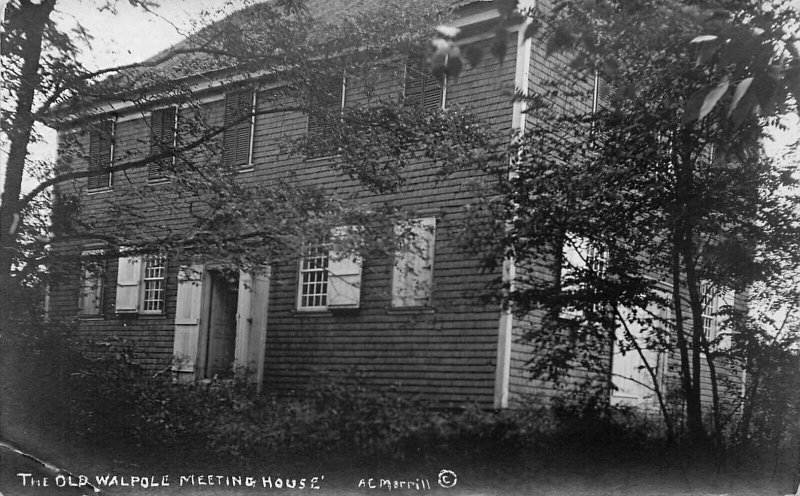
[154, 278]
[313, 287]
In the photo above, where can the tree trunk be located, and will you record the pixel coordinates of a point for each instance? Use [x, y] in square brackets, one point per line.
[694, 418]
[693, 403]
[30, 19]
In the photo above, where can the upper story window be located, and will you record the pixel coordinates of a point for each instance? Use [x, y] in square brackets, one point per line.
[101, 154]
[141, 284]
[412, 272]
[237, 139]
[421, 88]
[328, 100]
[163, 123]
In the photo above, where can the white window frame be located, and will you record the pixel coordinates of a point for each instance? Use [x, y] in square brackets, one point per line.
[411, 290]
[318, 252]
[160, 282]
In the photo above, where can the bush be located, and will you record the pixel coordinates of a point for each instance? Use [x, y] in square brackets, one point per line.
[340, 414]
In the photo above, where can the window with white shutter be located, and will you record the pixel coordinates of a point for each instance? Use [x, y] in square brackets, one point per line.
[100, 155]
[412, 274]
[421, 88]
[141, 284]
[237, 139]
[329, 279]
[163, 123]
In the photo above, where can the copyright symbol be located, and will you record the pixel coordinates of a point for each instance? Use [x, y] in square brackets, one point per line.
[447, 478]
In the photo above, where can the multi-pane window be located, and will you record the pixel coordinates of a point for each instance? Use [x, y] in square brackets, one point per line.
[154, 284]
[90, 300]
[579, 258]
[141, 284]
[162, 139]
[237, 139]
[715, 302]
[710, 303]
[330, 273]
[412, 274]
[100, 155]
[313, 291]
[421, 88]
[328, 102]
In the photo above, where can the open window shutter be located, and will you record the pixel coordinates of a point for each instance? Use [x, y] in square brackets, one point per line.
[258, 323]
[412, 278]
[236, 137]
[128, 280]
[251, 323]
[187, 317]
[243, 322]
[344, 281]
[162, 138]
[421, 88]
[629, 374]
[100, 154]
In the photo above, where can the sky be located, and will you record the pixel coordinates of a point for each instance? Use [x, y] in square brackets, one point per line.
[124, 36]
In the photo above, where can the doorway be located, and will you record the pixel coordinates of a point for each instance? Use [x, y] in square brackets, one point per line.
[223, 297]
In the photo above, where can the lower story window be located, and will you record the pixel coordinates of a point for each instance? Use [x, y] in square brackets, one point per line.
[314, 279]
[153, 287]
[90, 301]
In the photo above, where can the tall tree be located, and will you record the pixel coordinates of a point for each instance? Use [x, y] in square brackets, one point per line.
[307, 47]
[661, 188]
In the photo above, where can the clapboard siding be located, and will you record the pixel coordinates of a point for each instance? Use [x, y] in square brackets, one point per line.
[447, 355]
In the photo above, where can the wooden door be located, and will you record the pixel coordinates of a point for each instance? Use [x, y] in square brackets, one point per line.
[221, 325]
